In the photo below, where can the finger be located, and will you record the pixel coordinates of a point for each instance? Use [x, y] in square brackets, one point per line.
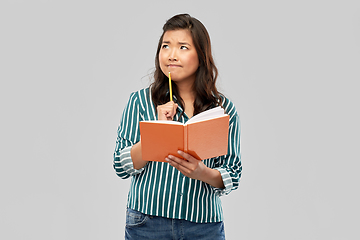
[187, 156]
[184, 170]
[180, 162]
[169, 116]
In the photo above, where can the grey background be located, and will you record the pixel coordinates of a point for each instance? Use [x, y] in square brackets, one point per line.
[67, 69]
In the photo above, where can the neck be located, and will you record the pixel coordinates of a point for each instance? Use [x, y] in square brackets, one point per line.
[186, 91]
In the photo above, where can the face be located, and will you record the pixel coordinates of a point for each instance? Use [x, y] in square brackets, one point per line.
[178, 56]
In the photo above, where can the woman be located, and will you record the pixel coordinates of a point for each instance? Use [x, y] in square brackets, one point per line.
[178, 198]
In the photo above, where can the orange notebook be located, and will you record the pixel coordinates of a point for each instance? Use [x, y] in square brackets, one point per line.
[203, 136]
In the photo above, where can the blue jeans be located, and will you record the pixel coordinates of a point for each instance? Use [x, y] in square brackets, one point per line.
[140, 226]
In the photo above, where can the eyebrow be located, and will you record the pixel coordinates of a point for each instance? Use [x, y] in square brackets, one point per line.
[184, 43]
[180, 43]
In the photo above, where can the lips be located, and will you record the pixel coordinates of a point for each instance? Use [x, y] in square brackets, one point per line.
[174, 66]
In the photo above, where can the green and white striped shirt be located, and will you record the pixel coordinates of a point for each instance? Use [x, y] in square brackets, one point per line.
[160, 189]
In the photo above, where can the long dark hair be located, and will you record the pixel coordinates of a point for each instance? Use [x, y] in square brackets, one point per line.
[206, 93]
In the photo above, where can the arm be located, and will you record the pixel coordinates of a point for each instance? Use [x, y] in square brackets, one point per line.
[128, 141]
[127, 157]
[230, 166]
[226, 175]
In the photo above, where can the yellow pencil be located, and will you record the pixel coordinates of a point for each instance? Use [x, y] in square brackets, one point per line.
[170, 88]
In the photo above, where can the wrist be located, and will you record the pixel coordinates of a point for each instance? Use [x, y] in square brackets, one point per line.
[136, 156]
[212, 177]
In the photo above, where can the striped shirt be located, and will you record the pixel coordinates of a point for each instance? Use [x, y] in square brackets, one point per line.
[160, 189]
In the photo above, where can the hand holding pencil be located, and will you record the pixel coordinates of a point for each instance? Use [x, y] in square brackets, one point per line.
[168, 110]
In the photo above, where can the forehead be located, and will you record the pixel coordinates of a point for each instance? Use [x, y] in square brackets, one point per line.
[179, 35]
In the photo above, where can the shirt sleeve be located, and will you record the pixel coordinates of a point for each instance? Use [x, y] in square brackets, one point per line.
[128, 134]
[229, 166]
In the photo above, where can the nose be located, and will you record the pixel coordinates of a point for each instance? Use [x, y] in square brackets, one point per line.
[173, 55]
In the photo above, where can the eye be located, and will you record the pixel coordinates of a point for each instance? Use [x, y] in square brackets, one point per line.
[184, 47]
[165, 46]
